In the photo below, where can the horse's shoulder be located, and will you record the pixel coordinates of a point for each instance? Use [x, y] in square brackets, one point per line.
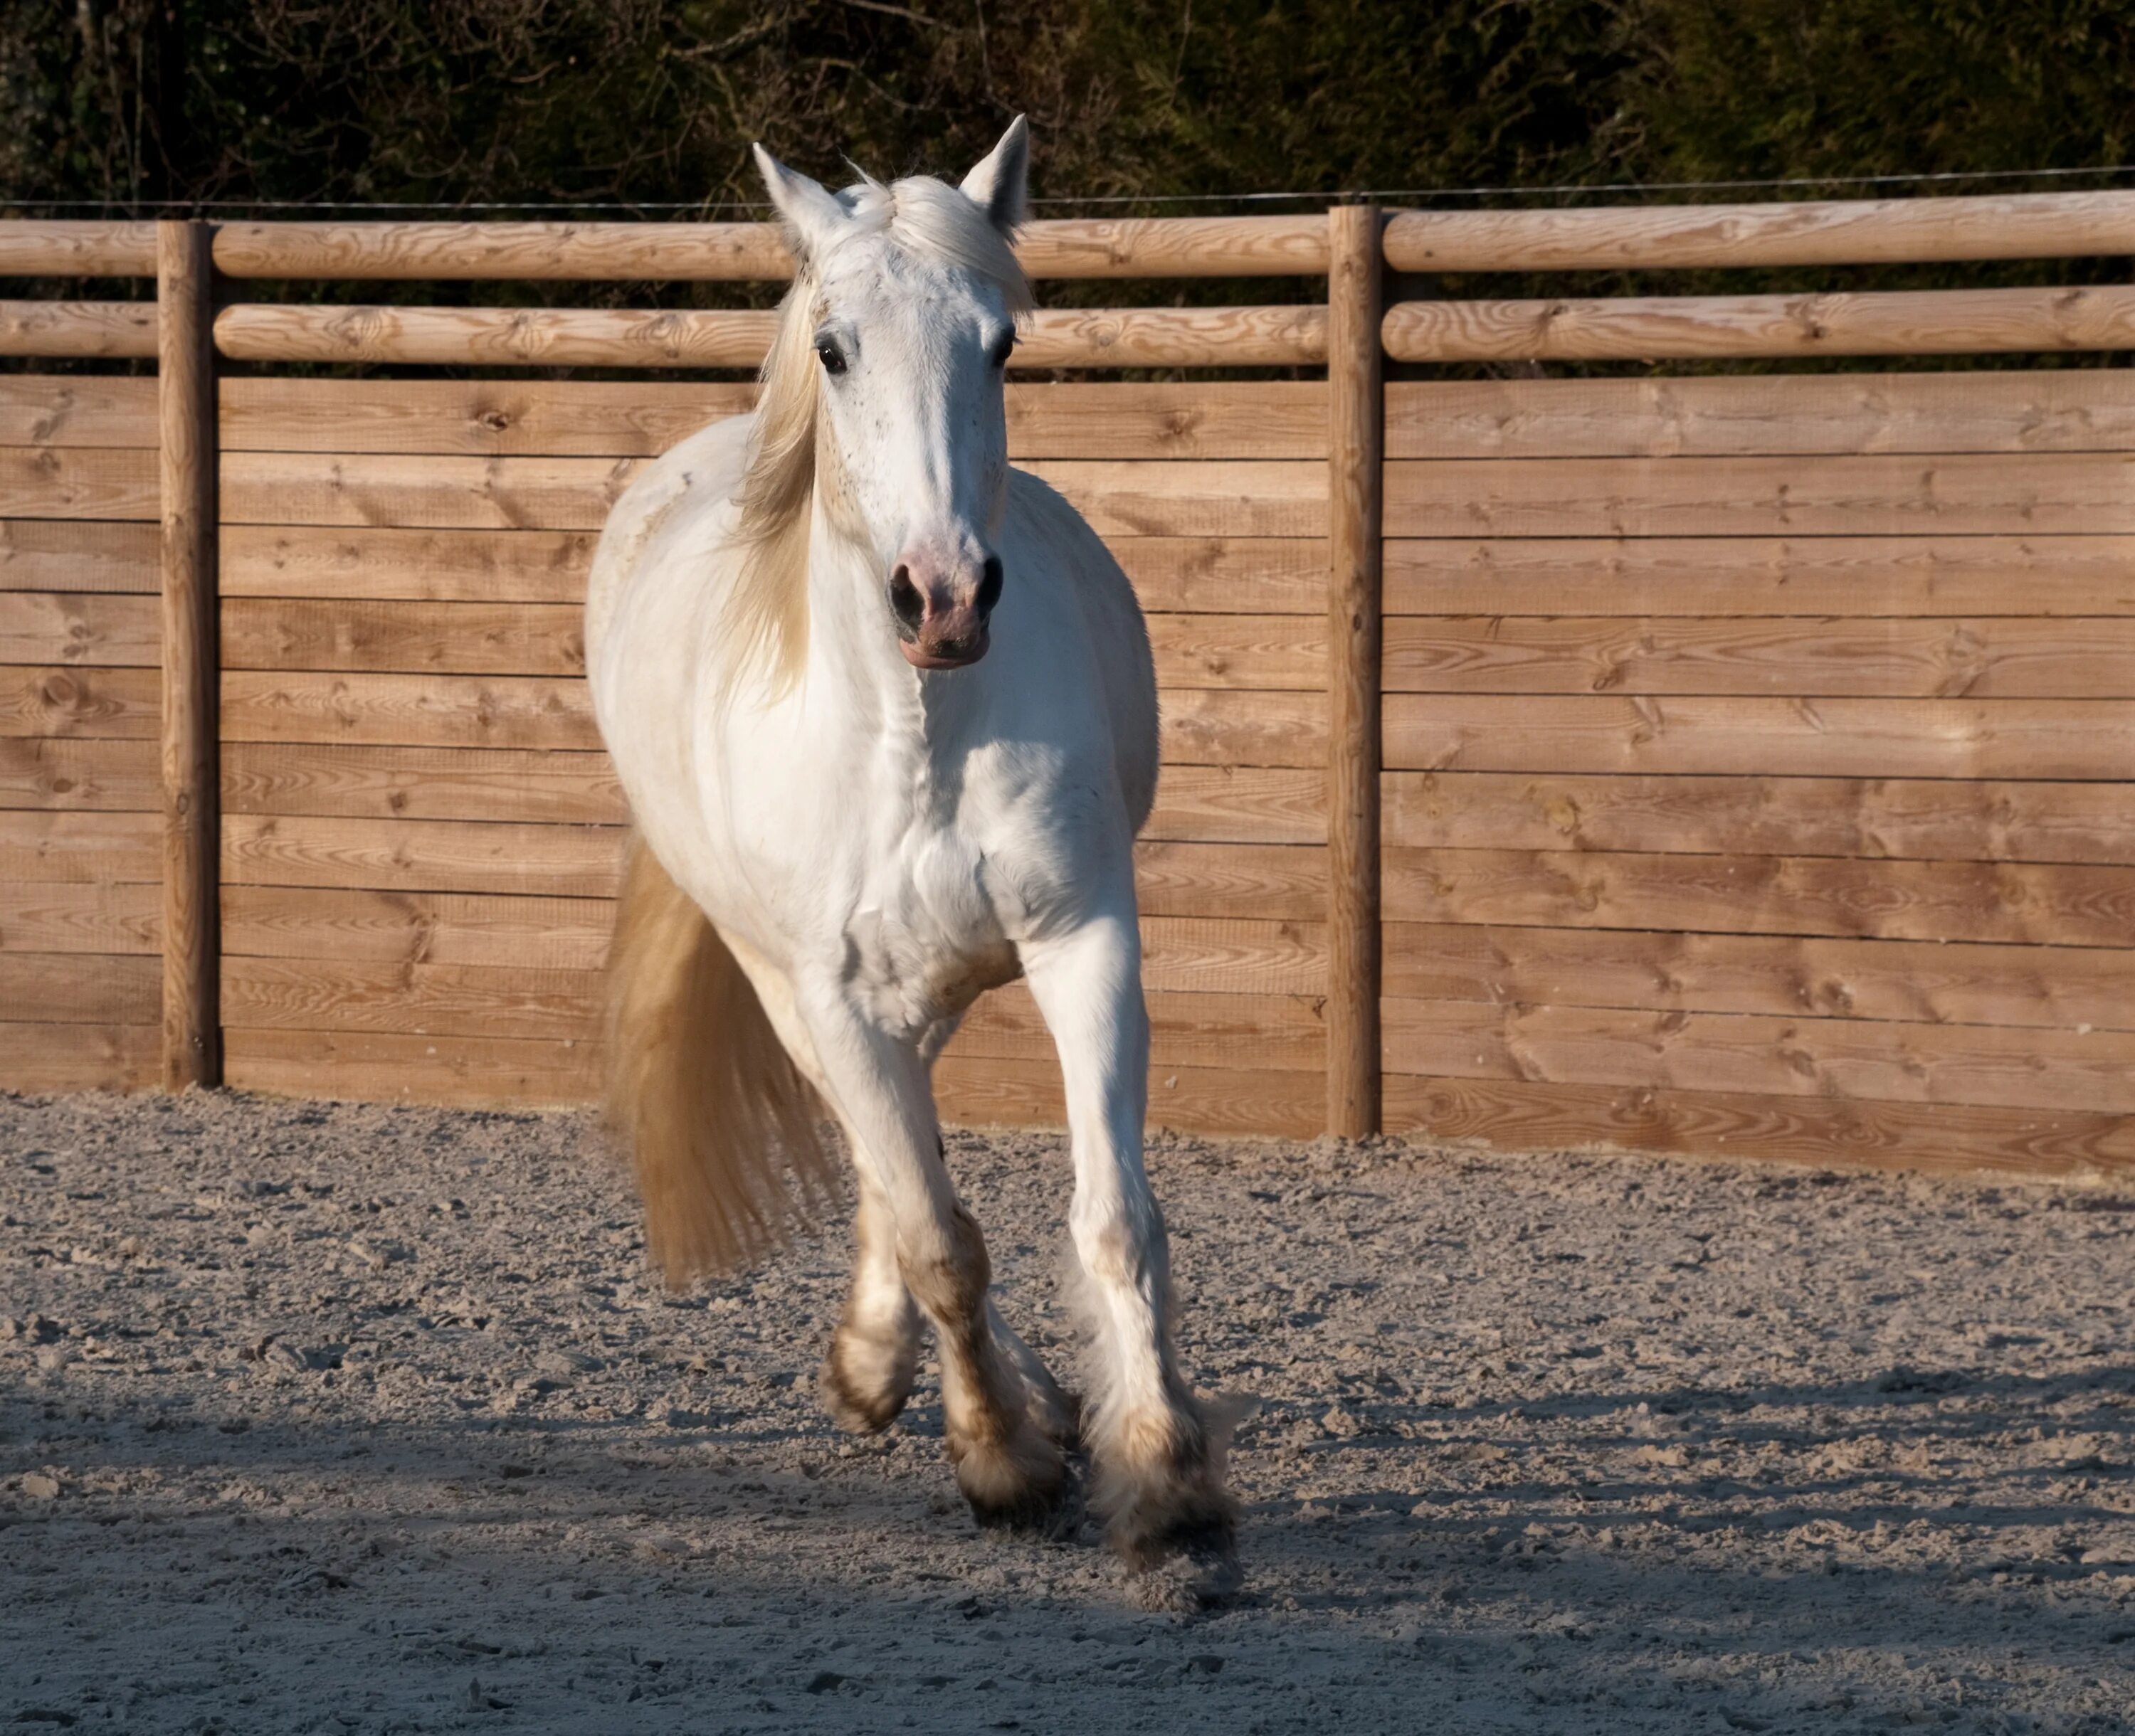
[703, 469]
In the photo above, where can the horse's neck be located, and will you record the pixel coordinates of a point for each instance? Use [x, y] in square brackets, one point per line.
[851, 656]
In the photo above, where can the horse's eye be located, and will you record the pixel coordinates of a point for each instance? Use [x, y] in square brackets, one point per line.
[831, 355]
[998, 355]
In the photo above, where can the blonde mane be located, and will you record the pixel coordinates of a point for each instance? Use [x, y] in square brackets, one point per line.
[932, 221]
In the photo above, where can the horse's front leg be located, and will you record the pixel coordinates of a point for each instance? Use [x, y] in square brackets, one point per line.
[1010, 1470]
[1159, 1480]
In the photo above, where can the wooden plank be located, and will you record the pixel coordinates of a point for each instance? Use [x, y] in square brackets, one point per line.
[66, 845]
[422, 855]
[110, 330]
[79, 627]
[1271, 1032]
[114, 704]
[2061, 988]
[44, 247]
[421, 711]
[418, 997]
[1171, 337]
[442, 928]
[1962, 410]
[1955, 738]
[1241, 498]
[77, 1058]
[1356, 430]
[454, 638]
[1950, 1139]
[2037, 494]
[88, 776]
[2024, 903]
[1239, 651]
[421, 783]
[1077, 247]
[1219, 727]
[604, 337]
[1910, 575]
[81, 916]
[1775, 232]
[185, 418]
[387, 563]
[1239, 805]
[41, 554]
[1650, 328]
[76, 409]
[1198, 419]
[985, 1091]
[1816, 1057]
[1934, 818]
[1276, 882]
[1980, 657]
[1225, 956]
[78, 989]
[421, 492]
[458, 1072]
[77, 482]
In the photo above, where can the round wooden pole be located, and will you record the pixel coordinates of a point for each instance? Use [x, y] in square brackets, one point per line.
[1355, 426]
[185, 398]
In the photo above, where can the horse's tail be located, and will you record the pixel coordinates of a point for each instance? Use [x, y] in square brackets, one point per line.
[721, 1126]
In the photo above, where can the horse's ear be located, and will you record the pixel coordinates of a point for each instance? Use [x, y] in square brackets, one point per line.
[1000, 183]
[812, 213]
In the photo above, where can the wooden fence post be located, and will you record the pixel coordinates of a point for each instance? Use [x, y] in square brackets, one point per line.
[185, 401]
[1356, 439]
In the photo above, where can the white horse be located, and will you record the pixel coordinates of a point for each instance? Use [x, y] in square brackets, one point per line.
[885, 714]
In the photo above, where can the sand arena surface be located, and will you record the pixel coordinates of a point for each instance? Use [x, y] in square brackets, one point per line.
[342, 1419]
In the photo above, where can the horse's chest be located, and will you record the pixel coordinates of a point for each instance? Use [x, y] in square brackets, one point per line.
[925, 938]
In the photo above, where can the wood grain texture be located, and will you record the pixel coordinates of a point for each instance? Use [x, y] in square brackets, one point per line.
[1949, 1138]
[422, 855]
[1250, 651]
[1239, 805]
[185, 419]
[1979, 657]
[1271, 1032]
[1808, 232]
[89, 628]
[641, 418]
[1225, 956]
[1226, 727]
[2058, 409]
[445, 638]
[419, 998]
[1952, 739]
[393, 564]
[1983, 820]
[1876, 322]
[989, 1091]
[91, 776]
[111, 331]
[82, 916]
[2057, 988]
[44, 247]
[457, 1072]
[422, 783]
[2020, 903]
[77, 989]
[76, 409]
[39, 555]
[2033, 494]
[1864, 576]
[77, 482]
[440, 928]
[1175, 247]
[1171, 337]
[1272, 882]
[1226, 498]
[77, 1058]
[111, 705]
[63, 844]
[1827, 1058]
[421, 711]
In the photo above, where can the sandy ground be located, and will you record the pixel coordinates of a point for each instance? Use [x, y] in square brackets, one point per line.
[356, 1419]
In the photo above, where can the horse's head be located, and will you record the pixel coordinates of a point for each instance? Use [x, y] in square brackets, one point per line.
[903, 312]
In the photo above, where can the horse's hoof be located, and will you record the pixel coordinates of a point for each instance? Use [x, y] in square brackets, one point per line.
[853, 1406]
[1012, 1490]
[1192, 1574]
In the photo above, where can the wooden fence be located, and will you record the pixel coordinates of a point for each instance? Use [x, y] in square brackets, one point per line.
[1731, 763]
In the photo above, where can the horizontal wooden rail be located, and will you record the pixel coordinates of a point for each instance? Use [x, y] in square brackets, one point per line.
[1158, 247]
[1843, 232]
[599, 337]
[1654, 328]
[114, 328]
[37, 249]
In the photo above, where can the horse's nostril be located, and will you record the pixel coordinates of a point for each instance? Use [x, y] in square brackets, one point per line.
[905, 602]
[990, 586]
